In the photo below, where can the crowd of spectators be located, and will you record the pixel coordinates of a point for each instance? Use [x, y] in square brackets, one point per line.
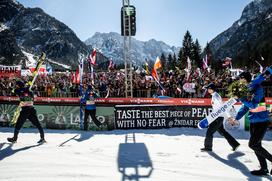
[112, 84]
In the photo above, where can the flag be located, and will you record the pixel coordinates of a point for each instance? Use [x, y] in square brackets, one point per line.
[179, 90]
[92, 57]
[157, 64]
[205, 62]
[189, 67]
[198, 72]
[92, 61]
[49, 69]
[261, 67]
[111, 65]
[155, 74]
[76, 76]
[146, 68]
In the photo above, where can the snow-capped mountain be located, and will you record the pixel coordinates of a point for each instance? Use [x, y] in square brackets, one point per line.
[253, 29]
[111, 45]
[25, 31]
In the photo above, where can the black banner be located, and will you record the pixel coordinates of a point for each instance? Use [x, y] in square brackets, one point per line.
[158, 116]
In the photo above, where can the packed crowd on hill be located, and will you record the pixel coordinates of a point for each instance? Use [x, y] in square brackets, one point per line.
[112, 84]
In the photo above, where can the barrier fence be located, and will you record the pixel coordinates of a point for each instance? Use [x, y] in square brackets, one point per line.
[120, 113]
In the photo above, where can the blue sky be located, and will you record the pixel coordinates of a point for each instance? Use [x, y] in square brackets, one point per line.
[165, 20]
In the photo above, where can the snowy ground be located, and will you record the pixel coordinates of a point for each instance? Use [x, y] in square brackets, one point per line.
[153, 155]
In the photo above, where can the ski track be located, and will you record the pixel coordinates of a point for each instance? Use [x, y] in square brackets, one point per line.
[153, 155]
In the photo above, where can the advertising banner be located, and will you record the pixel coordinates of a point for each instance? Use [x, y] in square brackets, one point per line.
[10, 71]
[63, 113]
[158, 116]
[57, 117]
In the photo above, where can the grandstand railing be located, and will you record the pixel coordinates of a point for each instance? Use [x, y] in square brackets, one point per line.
[148, 93]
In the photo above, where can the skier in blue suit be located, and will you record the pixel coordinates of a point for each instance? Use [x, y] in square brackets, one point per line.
[258, 117]
[90, 109]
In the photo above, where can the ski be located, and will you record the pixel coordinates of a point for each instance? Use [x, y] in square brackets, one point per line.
[34, 76]
[36, 71]
[204, 123]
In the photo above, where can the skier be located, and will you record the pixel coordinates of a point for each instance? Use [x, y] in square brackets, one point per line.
[217, 125]
[90, 108]
[28, 111]
[258, 117]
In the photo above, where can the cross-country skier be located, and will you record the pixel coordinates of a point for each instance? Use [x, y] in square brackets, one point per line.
[90, 108]
[258, 117]
[217, 125]
[28, 111]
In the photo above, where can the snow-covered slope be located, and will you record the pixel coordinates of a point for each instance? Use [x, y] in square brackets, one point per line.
[143, 155]
[26, 31]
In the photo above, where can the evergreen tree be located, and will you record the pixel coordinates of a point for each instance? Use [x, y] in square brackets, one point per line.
[120, 66]
[174, 62]
[179, 63]
[196, 54]
[186, 50]
[163, 61]
[170, 62]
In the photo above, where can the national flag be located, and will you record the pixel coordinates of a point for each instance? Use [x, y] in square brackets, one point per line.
[111, 65]
[157, 64]
[205, 62]
[155, 74]
[49, 69]
[76, 76]
[92, 57]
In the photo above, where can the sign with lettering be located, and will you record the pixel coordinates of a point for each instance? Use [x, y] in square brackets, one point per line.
[10, 71]
[158, 116]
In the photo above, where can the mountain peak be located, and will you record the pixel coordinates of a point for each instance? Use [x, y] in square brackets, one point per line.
[111, 45]
[33, 31]
[253, 29]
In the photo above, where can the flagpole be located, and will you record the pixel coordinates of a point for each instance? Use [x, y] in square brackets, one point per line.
[81, 91]
[92, 74]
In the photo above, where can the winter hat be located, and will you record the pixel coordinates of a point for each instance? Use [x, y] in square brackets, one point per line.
[20, 83]
[211, 86]
[245, 75]
[90, 87]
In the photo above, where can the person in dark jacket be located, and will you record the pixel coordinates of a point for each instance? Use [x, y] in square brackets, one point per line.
[90, 108]
[28, 111]
[217, 125]
[258, 117]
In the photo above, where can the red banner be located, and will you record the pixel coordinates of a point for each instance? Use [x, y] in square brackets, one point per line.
[10, 71]
[120, 101]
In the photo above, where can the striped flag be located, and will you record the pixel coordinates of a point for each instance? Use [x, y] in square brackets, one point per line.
[157, 65]
[205, 62]
[92, 57]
